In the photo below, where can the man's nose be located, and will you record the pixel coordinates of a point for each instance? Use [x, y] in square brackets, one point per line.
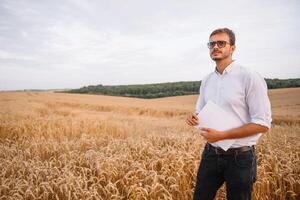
[215, 46]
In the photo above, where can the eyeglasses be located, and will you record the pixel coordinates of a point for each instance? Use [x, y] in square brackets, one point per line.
[220, 44]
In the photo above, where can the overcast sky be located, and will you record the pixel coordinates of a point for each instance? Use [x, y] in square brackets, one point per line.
[74, 43]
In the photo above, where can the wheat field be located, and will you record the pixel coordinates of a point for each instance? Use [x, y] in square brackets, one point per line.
[71, 146]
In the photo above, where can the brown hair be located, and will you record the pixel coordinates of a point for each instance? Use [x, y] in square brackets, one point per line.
[229, 32]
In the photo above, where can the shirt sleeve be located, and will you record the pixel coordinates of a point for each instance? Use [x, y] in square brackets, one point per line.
[258, 101]
[200, 101]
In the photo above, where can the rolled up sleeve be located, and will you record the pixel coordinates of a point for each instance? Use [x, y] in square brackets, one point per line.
[258, 101]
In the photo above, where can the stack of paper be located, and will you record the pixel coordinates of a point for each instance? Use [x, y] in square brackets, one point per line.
[213, 116]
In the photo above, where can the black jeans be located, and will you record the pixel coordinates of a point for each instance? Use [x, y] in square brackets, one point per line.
[237, 170]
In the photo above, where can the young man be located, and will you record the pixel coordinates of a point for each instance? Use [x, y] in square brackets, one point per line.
[241, 92]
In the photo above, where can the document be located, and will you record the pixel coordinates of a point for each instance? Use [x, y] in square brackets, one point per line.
[213, 116]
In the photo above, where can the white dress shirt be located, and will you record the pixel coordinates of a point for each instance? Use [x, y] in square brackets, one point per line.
[240, 91]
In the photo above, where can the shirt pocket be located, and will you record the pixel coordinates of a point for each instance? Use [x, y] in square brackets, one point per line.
[233, 96]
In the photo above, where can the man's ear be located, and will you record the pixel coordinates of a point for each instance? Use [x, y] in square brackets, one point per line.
[232, 48]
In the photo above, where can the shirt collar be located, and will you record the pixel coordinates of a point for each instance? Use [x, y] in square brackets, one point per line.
[228, 69]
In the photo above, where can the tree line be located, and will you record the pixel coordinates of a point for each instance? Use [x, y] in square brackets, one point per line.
[157, 90]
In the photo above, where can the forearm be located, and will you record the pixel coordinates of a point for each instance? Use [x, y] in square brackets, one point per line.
[244, 131]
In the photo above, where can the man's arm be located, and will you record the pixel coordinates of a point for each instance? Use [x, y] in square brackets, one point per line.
[212, 135]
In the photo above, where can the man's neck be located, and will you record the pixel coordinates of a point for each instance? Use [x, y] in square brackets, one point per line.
[222, 64]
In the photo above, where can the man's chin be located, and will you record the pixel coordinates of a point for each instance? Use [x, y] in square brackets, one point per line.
[216, 58]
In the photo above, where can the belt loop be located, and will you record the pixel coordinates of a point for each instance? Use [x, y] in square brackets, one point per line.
[236, 152]
[216, 150]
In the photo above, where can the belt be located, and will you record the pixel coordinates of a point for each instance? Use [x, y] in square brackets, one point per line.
[219, 150]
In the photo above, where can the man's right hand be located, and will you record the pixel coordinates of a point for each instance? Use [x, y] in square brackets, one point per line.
[192, 119]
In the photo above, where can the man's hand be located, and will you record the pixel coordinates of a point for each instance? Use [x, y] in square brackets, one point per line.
[192, 119]
[212, 135]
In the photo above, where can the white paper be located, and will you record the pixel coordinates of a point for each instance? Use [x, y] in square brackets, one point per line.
[213, 116]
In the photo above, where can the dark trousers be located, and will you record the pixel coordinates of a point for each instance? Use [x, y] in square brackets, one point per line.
[237, 170]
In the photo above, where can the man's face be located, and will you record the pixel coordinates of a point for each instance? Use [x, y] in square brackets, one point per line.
[220, 53]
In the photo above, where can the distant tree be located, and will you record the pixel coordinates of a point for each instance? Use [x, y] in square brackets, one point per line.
[167, 89]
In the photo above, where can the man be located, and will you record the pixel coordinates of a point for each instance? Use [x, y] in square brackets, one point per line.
[243, 93]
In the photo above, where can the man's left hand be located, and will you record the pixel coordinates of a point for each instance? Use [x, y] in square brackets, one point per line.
[212, 135]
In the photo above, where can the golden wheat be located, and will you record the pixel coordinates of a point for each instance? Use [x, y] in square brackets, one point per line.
[61, 146]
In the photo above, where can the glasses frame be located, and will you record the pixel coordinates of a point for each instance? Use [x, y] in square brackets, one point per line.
[220, 44]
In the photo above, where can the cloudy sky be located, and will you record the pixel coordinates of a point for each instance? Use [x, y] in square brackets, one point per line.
[73, 43]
